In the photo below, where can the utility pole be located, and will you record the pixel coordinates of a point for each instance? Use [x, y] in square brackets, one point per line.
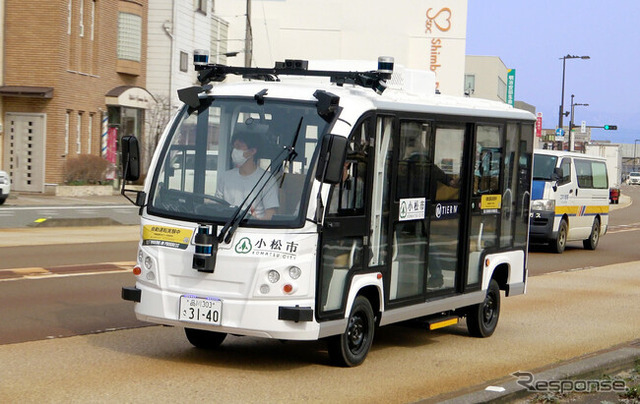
[248, 38]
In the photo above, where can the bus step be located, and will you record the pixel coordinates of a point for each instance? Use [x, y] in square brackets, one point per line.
[442, 322]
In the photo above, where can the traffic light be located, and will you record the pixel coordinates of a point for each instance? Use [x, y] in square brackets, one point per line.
[610, 127]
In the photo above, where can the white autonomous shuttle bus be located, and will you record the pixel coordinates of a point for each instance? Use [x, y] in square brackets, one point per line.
[321, 207]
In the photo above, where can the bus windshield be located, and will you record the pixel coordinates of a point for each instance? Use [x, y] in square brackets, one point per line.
[235, 159]
[543, 166]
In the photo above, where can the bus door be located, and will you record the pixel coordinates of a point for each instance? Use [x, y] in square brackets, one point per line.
[345, 233]
[425, 212]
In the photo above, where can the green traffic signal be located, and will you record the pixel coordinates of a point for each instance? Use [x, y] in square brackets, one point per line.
[610, 127]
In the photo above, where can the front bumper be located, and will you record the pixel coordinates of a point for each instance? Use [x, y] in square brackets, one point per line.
[541, 225]
[282, 319]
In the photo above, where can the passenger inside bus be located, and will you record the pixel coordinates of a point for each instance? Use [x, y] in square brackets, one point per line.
[236, 184]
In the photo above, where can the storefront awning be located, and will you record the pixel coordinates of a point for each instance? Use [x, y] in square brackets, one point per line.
[129, 96]
[26, 91]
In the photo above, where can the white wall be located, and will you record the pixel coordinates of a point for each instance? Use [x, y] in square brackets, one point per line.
[487, 70]
[355, 29]
[189, 30]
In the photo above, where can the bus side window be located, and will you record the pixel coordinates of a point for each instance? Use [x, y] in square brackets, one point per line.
[414, 162]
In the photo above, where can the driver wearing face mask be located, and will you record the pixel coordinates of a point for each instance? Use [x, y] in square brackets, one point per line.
[235, 184]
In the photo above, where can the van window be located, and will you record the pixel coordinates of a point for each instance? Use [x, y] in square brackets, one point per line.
[566, 171]
[591, 174]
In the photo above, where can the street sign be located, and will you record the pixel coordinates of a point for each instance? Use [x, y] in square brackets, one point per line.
[583, 127]
[511, 86]
[539, 124]
[559, 132]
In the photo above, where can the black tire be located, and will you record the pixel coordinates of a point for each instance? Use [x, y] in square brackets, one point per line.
[558, 245]
[351, 348]
[482, 319]
[204, 339]
[592, 242]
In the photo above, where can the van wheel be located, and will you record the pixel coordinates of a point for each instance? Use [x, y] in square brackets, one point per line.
[482, 319]
[558, 245]
[204, 339]
[592, 242]
[351, 348]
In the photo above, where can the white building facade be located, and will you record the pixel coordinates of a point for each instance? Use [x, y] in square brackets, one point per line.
[176, 28]
[419, 34]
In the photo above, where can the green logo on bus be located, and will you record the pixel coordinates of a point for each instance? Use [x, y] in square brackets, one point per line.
[243, 246]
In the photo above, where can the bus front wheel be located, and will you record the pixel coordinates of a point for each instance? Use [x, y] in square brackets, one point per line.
[558, 245]
[204, 339]
[351, 348]
[482, 318]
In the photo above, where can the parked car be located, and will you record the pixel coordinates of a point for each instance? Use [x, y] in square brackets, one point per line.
[5, 186]
[634, 178]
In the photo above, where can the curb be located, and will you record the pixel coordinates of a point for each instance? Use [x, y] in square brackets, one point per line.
[590, 366]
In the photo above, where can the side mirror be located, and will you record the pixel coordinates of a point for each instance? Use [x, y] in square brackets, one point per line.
[333, 152]
[557, 173]
[557, 177]
[130, 158]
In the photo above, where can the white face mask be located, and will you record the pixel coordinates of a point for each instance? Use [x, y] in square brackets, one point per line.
[238, 157]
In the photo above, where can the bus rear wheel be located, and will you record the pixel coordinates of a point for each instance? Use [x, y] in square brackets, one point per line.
[592, 242]
[482, 319]
[204, 339]
[351, 348]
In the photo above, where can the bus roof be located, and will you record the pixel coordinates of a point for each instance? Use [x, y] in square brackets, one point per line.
[407, 90]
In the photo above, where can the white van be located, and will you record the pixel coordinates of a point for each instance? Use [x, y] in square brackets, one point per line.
[569, 199]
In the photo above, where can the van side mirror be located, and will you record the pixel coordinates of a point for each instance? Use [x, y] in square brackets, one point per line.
[333, 152]
[130, 158]
[557, 174]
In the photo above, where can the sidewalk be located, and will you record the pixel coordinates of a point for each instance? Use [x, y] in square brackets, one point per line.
[17, 199]
[14, 237]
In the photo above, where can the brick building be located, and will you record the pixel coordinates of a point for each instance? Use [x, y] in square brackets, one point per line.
[72, 69]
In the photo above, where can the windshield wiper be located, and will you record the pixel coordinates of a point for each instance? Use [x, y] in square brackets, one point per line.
[238, 216]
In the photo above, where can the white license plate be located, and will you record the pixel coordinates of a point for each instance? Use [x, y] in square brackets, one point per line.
[200, 310]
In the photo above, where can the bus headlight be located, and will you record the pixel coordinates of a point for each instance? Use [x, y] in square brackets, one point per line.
[547, 205]
[273, 276]
[294, 272]
[148, 263]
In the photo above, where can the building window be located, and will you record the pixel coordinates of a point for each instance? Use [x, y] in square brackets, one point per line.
[129, 36]
[469, 84]
[69, 6]
[81, 18]
[202, 6]
[89, 133]
[79, 134]
[66, 133]
[93, 18]
[502, 89]
[184, 61]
